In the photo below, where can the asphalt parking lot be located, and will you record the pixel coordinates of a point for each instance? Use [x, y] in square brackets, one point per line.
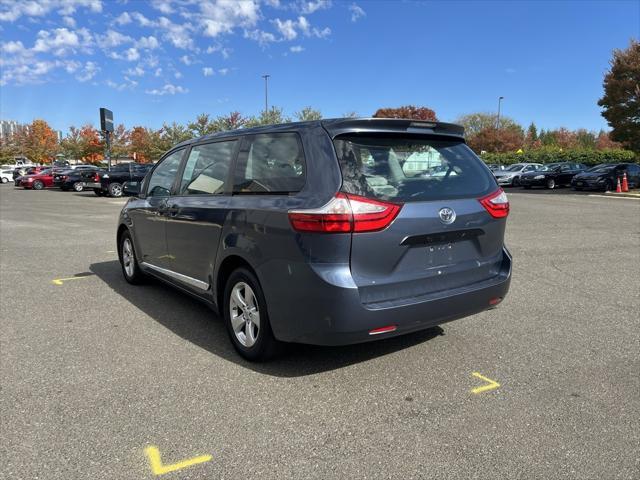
[99, 377]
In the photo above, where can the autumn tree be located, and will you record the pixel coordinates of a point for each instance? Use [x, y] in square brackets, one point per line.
[308, 114]
[91, 144]
[273, 116]
[585, 139]
[119, 139]
[477, 121]
[202, 125]
[621, 99]
[232, 121]
[141, 144]
[604, 142]
[531, 139]
[408, 111]
[496, 140]
[71, 145]
[41, 142]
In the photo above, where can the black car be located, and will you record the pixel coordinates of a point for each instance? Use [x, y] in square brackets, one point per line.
[111, 181]
[552, 175]
[75, 179]
[605, 177]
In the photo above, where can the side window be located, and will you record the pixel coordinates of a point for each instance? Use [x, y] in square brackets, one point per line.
[275, 163]
[207, 168]
[164, 175]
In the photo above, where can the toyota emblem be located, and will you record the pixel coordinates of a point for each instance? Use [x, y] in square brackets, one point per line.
[447, 215]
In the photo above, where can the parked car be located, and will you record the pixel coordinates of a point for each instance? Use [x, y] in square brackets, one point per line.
[318, 232]
[552, 175]
[110, 182]
[75, 179]
[511, 176]
[20, 172]
[496, 167]
[605, 176]
[6, 176]
[39, 180]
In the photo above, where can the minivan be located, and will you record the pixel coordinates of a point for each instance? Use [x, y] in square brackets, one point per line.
[328, 232]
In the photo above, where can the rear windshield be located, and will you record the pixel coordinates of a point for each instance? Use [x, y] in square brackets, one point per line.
[411, 169]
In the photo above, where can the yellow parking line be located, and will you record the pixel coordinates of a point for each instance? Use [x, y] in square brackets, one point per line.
[60, 281]
[492, 384]
[158, 468]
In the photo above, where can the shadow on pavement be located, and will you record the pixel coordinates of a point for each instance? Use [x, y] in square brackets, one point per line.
[195, 322]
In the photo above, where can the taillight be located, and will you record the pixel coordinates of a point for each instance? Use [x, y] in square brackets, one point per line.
[346, 213]
[496, 203]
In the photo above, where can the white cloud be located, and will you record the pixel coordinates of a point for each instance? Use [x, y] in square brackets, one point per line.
[223, 71]
[186, 59]
[112, 39]
[138, 71]
[61, 41]
[12, 10]
[158, 72]
[178, 75]
[167, 89]
[313, 6]
[13, 47]
[141, 19]
[177, 34]
[132, 54]
[222, 16]
[164, 6]
[124, 18]
[260, 36]
[207, 71]
[148, 43]
[296, 49]
[286, 28]
[356, 12]
[69, 21]
[128, 83]
[89, 71]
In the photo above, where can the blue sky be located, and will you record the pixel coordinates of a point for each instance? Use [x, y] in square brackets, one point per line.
[168, 60]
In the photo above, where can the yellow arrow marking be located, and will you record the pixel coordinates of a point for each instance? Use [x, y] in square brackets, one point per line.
[157, 467]
[485, 388]
[60, 281]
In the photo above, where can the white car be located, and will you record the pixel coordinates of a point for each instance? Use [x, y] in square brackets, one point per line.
[6, 176]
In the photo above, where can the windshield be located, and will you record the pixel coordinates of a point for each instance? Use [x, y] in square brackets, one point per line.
[601, 168]
[411, 169]
[515, 168]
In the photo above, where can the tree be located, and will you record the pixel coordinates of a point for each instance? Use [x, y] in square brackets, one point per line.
[307, 114]
[120, 142]
[271, 117]
[140, 144]
[233, 121]
[604, 142]
[585, 139]
[492, 139]
[351, 114]
[408, 111]
[41, 142]
[621, 99]
[475, 122]
[203, 125]
[91, 145]
[71, 145]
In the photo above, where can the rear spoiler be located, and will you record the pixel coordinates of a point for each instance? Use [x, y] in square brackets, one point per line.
[339, 126]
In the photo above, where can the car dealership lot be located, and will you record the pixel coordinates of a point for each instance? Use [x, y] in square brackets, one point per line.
[94, 371]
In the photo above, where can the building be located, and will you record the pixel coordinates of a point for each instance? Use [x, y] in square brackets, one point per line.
[8, 128]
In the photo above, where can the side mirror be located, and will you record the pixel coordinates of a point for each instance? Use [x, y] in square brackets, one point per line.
[131, 188]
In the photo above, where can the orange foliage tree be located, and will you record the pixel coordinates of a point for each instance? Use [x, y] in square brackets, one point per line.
[92, 146]
[498, 140]
[408, 111]
[41, 142]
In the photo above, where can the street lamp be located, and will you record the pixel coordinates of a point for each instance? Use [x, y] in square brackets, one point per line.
[498, 119]
[266, 92]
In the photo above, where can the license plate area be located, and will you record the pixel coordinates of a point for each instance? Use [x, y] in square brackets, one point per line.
[440, 255]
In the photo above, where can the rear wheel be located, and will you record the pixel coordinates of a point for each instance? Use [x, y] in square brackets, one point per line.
[5, 179]
[115, 189]
[78, 187]
[246, 318]
[38, 185]
[516, 182]
[551, 184]
[130, 268]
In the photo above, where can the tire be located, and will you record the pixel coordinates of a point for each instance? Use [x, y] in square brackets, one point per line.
[253, 341]
[115, 189]
[78, 187]
[98, 192]
[515, 182]
[5, 180]
[38, 185]
[551, 184]
[128, 262]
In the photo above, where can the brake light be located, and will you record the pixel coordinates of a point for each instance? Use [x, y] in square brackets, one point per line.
[496, 203]
[345, 213]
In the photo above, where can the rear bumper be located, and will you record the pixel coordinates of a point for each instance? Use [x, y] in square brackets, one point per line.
[505, 180]
[323, 308]
[584, 185]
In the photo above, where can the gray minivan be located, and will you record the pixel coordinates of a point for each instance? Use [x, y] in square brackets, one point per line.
[327, 232]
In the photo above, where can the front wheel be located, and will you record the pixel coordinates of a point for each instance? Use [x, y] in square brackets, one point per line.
[246, 318]
[551, 184]
[115, 189]
[130, 268]
[78, 187]
[5, 179]
[38, 185]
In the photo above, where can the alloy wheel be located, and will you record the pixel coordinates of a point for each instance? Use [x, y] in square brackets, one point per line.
[127, 257]
[245, 314]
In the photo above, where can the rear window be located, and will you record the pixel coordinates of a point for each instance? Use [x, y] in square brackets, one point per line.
[411, 169]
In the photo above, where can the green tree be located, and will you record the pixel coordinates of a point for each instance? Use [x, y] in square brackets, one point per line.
[308, 113]
[202, 125]
[473, 123]
[71, 145]
[585, 139]
[232, 121]
[273, 116]
[621, 99]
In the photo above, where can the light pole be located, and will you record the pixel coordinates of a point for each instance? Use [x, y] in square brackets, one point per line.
[266, 92]
[498, 119]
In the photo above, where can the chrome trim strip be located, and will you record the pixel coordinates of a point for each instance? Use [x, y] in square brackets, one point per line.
[178, 276]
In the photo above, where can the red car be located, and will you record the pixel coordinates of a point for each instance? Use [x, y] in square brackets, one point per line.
[38, 181]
